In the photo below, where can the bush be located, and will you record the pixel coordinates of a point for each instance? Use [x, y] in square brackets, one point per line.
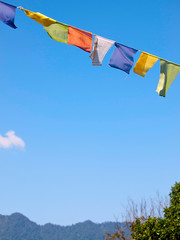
[150, 227]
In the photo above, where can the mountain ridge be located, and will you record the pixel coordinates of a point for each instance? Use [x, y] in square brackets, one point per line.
[18, 227]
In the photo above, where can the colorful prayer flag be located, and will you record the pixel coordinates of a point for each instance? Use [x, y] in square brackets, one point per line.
[122, 57]
[144, 63]
[168, 73]
[80, 38]
[7, 14]
[58, 32]
[40, 18]
[100, 48]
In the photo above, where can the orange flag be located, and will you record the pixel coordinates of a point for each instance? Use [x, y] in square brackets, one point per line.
[80, 38]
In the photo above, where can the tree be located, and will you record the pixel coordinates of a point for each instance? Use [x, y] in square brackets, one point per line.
[151, 227]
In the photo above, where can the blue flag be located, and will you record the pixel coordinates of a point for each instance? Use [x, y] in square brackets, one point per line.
[122, 57]
[7, 14]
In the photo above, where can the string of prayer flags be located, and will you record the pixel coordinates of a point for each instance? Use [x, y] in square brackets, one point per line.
[168, 72]
[38, 17]
[100, 48]
[7, 14]
[58, 32]
[80, 38]
[122, 57]
[144, 63]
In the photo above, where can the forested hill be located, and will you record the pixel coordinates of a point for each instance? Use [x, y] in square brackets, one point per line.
[19, 227]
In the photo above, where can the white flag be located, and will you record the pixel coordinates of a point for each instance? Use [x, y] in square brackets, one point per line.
[101, 47]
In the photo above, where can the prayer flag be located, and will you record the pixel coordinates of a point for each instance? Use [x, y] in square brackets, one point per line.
[7, 14]
[168, 73]
[80, 38]
[122, 57]
[58, 32]
[101, 47]
[144, 63]
[40, 18]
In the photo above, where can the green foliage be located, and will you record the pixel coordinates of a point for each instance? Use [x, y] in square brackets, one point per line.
[155, 228]
[161, 228]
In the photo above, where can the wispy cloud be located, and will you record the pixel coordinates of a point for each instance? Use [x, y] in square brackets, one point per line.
[11, 140]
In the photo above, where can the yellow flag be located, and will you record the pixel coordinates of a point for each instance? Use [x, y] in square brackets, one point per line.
[144, 63]
[168, 73]
[40, 18]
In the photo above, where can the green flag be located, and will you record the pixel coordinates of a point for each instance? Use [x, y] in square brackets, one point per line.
[58, 32]
[168, 73]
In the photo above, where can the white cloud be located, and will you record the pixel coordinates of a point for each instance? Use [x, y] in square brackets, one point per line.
[11, 140]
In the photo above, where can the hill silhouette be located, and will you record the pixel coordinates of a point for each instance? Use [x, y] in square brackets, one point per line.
[18, 227]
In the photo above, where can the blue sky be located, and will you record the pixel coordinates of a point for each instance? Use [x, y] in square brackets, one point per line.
[92, 138]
